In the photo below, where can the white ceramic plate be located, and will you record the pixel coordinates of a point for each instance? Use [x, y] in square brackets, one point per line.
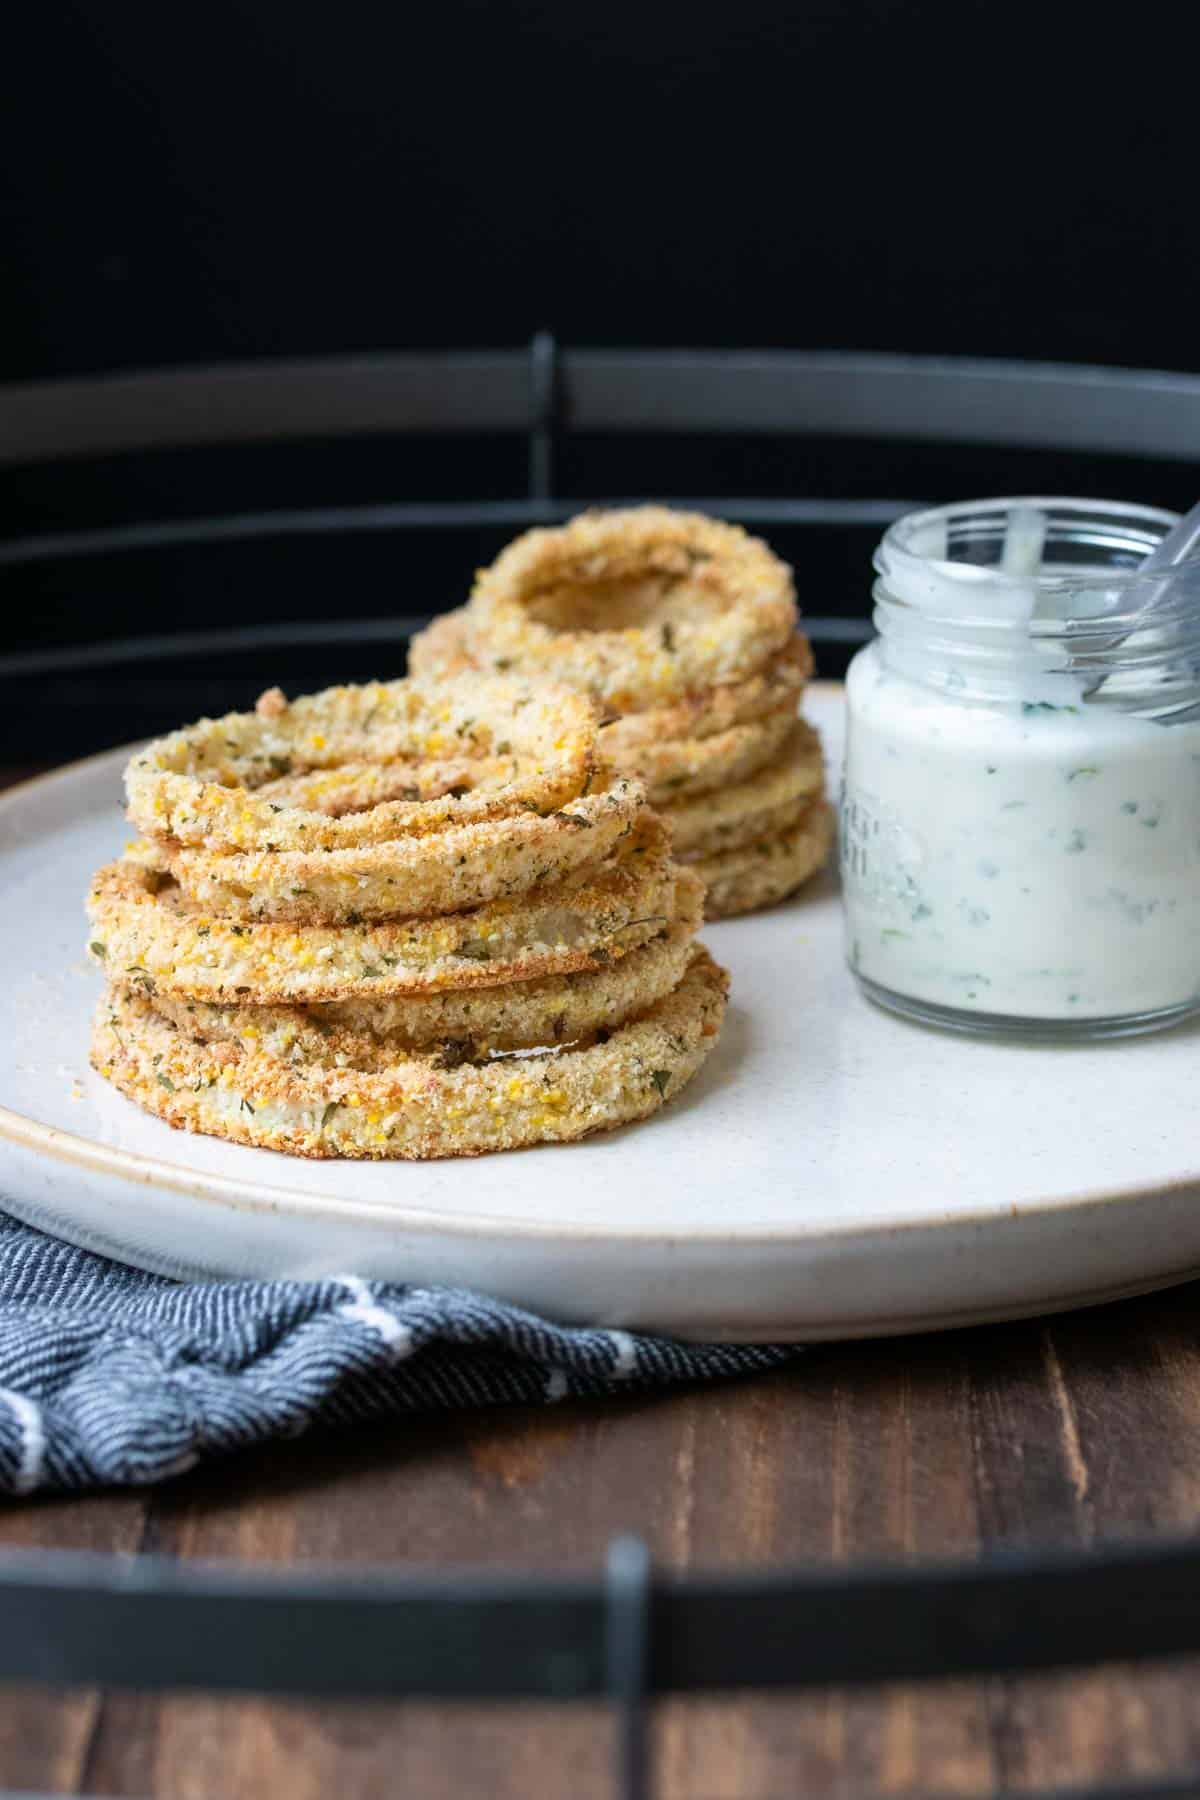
[833, 1172]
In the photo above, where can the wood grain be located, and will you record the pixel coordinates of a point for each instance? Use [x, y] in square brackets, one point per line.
[46, 1738]
[1074, 1431]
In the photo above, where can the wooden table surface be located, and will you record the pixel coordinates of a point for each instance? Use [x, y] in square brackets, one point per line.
[1068, 1432]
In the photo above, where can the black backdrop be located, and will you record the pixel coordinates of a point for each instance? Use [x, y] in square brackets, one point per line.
[251, 177]
[187, 184]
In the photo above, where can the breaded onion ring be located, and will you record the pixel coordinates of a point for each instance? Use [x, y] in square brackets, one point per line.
[751, 809]
[446, 871]
[146, 931]
[638, 607]
[778, 683]
[461, 1025]
[200, 786]
[414, 1108]
[684, 767]
[759, 874]
[441, 650]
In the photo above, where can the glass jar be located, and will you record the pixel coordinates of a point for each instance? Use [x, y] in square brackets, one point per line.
[1021, 809]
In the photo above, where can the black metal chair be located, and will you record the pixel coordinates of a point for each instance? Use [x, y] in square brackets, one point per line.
[150, 1624]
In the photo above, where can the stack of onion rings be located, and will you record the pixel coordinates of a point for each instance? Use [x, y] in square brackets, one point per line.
[685, 629]
[462, 866]
[764, 871]
[638, 607]
[398, 888]
[479, 750]
[416, 1106]
[143, 926]
[748, 811]
[458, 1023]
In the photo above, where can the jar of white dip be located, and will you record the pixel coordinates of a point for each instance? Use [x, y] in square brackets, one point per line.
[1021, 811]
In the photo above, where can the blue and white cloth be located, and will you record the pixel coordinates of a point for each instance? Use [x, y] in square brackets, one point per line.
[111, 1376]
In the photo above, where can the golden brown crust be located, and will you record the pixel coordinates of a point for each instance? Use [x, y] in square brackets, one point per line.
[476, 1022]
[441, 650]
[428, 918]
[750, 809]
[760, 874]
[471, 750]
[778, 682]
[447, 871]
[144, 929]
[639, 607]
[681, 768]
[414, 1108]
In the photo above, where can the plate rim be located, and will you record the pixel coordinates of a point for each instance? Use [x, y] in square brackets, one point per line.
[252, 1195]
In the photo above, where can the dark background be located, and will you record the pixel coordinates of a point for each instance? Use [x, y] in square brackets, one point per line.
[187, 185]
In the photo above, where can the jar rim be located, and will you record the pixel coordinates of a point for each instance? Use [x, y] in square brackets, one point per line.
[1099, 624]
[1132, 530]
[920, 573]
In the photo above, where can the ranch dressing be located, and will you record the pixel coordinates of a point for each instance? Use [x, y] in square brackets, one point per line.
[1021, 811]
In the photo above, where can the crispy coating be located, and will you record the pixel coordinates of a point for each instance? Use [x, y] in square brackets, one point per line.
[681, 768]
[704, 711]
[429, 918]
[415, 1108]
[759, 874]
[466, 750]
[778, 682]
[751, 809]
[639, 607]
[441, 650]
[446, 871]
[145, 930]
[461, 1025]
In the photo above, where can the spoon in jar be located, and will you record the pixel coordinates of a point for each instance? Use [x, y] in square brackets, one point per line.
[1176, 547]
[1179, 543]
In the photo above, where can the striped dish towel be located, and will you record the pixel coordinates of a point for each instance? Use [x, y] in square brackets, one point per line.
[111, 1376]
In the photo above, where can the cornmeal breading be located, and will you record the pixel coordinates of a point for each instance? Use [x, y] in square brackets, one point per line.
[638, 607]
[686, 629]
[754, 808]
[441, 872]
[441, 650]
[416, 1108]
[144, 929]
[204, 785]
[439, 917]
[761, 873]
[460, 1023]
[679, 768]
